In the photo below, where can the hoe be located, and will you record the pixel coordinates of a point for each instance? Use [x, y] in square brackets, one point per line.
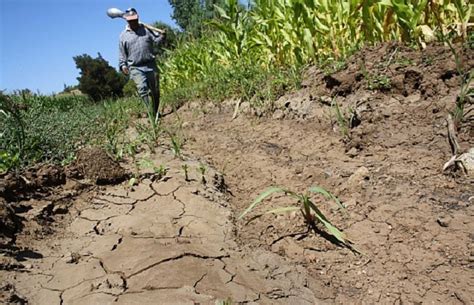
[115, 12]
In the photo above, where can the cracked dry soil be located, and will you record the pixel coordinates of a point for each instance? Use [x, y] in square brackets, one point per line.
[169, 241]
[177, 240]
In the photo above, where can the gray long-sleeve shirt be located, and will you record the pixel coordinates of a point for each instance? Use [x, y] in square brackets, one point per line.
[136, 47]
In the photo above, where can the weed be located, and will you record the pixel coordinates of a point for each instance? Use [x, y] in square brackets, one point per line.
[427, 60]
[377, 81]
[342, 121]
[309, 210]
[8, 161]
[404, 62]
[158, 171]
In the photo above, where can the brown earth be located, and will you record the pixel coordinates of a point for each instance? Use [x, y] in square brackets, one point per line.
[176, 240]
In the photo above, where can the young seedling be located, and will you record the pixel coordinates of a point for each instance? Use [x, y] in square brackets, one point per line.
[202, 170]
[341, 120]
[158, 172]
[176, 144]
[185, 169]
[161, 171]
[309, 210]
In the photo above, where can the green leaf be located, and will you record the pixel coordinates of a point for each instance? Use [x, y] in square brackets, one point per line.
[261, 197]
[329, 226]
[328, 195]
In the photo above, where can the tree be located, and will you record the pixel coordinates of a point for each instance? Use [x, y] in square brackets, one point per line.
[191, 15]
[186, 13]
[98, 79]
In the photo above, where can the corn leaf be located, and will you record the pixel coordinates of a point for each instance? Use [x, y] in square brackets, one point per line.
[329, 226]
[328, 195]
[261, 197]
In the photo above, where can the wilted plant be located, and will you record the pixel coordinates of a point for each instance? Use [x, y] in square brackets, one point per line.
[309, 210]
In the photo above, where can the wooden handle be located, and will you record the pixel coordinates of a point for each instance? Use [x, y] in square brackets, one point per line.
[153, 28]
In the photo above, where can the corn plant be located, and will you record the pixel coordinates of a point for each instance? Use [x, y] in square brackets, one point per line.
[276, 34]
[311, 213]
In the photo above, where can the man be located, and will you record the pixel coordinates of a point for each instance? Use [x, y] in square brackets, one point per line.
[137, 60]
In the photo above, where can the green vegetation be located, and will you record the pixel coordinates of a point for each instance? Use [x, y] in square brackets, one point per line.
[50, 129]
[267, 45]
[254, 54]
[309, 210]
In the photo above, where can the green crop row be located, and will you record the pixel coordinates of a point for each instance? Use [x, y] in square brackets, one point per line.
[286, 35]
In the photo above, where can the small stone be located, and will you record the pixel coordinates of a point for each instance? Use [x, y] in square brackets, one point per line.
[350, 203]
[327, 100]
[386, 112]
[278, 114]
[72, 258]
[353, 152]
[443, 221]
[358, 178]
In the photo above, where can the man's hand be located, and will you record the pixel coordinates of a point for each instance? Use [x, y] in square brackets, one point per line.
[125, 70]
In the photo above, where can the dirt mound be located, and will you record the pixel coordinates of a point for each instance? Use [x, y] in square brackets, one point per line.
[10, 224]
[95, 164]
[17, 186]
[386, 69]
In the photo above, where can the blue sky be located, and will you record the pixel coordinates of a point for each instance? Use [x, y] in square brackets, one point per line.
[38, 38]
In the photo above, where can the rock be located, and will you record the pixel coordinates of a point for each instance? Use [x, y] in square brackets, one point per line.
[353, 152]
[72, 258]
[358, 177]
[278, 114]
[326, 100]
[467, 160]
[443, 221]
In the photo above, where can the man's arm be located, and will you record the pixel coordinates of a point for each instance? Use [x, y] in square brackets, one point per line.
[123, 57]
